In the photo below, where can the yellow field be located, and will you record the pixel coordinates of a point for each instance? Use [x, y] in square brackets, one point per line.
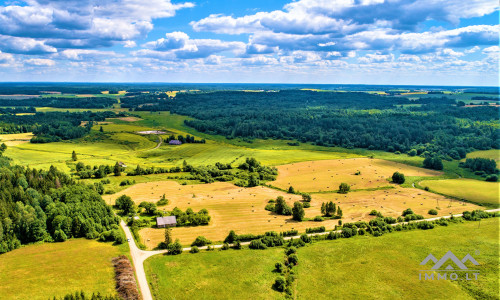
[490, 154]
[326, 175]
[469, 189]
[242, 209]
[15, 139]
[48, 270]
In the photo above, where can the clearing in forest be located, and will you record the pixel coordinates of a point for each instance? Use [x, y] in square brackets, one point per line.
[327, 175]
[15, 139]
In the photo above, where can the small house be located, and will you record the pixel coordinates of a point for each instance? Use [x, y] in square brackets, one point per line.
[121, 164]
[162, 222]
[175, 142]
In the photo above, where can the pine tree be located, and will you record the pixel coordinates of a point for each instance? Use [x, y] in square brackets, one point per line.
[117, 169]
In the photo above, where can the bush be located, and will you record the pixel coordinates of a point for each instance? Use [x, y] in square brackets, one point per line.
[201, 241]
[269, 207]
[290, 250]
[257, 244]
[225, 246]
[280, 284]
[318, 219]
[407, 211]
[293, 259]
[237, 245]
[279, 267]
[194, 249]
[175, 248]
[344, 188]
[305, 238]
[307, 204]
[398, 178]
[492, 178]
[432, 212]
[315, 229]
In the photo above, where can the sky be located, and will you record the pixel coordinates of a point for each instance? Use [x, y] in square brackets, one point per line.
[419, 42]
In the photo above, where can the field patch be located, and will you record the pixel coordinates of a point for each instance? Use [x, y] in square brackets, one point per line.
[243, 209]
[469, 189]
[490, 154]
[55, 269]
[356, 268]
[326, 175]
[16, 138]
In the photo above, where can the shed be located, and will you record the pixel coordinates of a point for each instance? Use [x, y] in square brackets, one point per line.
[175, 142]
[162, 222]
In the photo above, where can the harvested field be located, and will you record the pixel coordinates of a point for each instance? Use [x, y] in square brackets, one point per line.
[15, 139]
[242, 209]
[326, 175]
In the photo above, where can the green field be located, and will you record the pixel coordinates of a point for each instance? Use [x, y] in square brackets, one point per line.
[490, 154]
[56, 269]
[482, 192]
[356, 268]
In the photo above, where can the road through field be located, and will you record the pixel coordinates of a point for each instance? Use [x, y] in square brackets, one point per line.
[139, 256]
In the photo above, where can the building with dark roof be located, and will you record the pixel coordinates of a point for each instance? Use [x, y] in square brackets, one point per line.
[162, 222]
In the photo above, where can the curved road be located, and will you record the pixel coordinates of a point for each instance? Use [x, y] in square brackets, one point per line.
[139, 256]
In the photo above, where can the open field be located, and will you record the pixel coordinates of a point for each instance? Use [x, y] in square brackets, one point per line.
[469, 189]
[490, 154]
[354, 268]
[241, 274]
[320, 176]
[55, 269]
[15, 139]
[242, 209]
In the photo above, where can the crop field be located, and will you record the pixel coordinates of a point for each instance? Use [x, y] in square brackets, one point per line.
[354, 268]
[469, 189]
[242, 209]
[321, 176]
[490, 154]
[55, 269]
[15, 139]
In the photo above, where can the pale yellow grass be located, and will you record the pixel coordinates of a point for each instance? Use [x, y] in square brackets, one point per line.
[126, 119]
[15, 139]
[327, 175]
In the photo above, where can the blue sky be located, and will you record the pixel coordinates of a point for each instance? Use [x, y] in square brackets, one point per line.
[453, 42]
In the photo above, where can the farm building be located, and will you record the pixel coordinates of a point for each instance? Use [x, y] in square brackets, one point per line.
[162, 222]
[175, 142]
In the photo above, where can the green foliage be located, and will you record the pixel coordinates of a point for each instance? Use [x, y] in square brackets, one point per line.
[344, 188]
[257, 244]
[125, 204]
[407, 211]
[398, 178]
[306, 197]
[280, 284]
[434, 163]
[163, 201]
[201, 241]
[174, 248]
[149, 207]
[231, 237]
[190, 218]
[488, 166]
[298, 211]
[194, 249]
[82, 296]
[432, 212]
[281, 208]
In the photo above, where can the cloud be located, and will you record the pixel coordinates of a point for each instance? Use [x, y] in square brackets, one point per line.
[173, 40]
[6, 59]
[24, 46]
[39, 62]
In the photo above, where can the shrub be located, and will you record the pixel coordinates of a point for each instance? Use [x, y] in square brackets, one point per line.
[290, 250]
[279, 284]
[315, 229]
[398, 178]
[257, 244]
[269, 207]
[344, 188]
[237, 245]
[231, 237]
[279, 267]
[293, 259]
[201, 241]
[492, 178]
[407, 211]
[306, 197]
[305, 238]
[432, 212]
[373, 212]
[194, 249]
[307, 204]
[298, 211]
[225, 246]
[175, 248]
[318, 219]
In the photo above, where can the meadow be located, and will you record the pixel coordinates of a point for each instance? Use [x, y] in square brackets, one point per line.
[42, 271]
[353, 268]
[360, 173]
[482, 192]
[489, 154]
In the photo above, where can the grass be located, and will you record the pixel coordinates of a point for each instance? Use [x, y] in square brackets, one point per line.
[490, 154]
[320, 176]
[363, 267]
[243, 274]
[55, 269]
[482, 192]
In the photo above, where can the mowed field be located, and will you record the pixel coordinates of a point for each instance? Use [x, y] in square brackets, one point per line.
[327, 175]
[56, 269]
[363, 267]
[242, 209]
[473, 190]
[15, 139]
[490, 154]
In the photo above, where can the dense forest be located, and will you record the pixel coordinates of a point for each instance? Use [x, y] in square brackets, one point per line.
[52, 126]
[351, 120]
[41, 205]
[62, 102]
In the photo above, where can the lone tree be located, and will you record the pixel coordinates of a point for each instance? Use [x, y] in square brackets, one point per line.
[306, 197]
[117, 169]
[168, 236]
[73, 156]
[398, 178]
[101, 129]
[125, 203]
[344, 188]
[291, 190]
[298, 211]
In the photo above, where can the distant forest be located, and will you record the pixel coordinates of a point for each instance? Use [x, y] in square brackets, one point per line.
[349, 120]
[62, 102]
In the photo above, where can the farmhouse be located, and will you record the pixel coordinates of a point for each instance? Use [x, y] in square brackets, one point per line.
[175, 142]
[162, 222]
